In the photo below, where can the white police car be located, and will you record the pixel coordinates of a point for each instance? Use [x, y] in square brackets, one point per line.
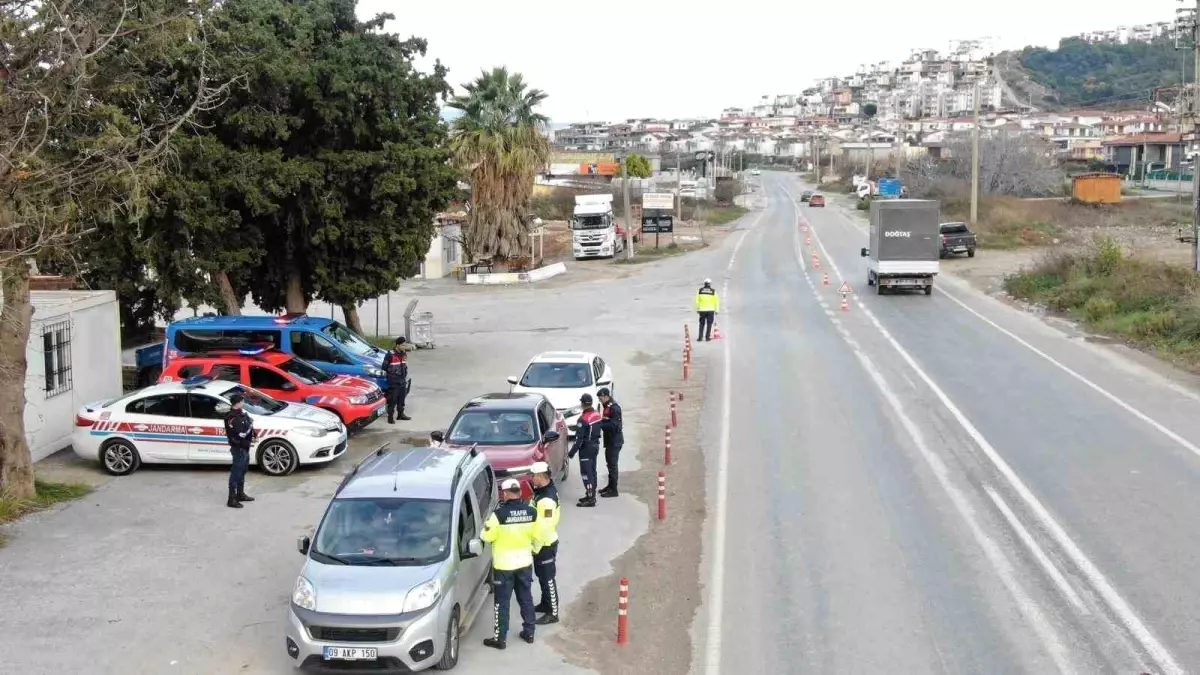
[183, 423]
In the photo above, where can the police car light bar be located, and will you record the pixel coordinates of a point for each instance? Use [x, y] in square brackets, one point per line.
[197, 380]
[252, 351]
[290, 317]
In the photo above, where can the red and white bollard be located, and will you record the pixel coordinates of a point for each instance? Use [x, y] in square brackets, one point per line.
[662, 496]
[667, 447]
[623, 613]
[825, 278]
[674, 412]
[845, 303]
[687, 364]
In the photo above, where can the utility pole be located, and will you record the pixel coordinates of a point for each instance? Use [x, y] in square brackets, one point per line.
[628, 213]
[975, 159]
[678, 187]
[1187, 37]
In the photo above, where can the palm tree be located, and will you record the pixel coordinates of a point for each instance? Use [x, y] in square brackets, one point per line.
[499, 141]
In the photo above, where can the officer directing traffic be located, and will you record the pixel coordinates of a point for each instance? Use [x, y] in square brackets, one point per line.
[587, 445]
[395, 364]
[611, 428]
[707, 306]
[511, 530]
[545, 502]
[239, 429]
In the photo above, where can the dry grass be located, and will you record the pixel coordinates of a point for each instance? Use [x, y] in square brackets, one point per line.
[47, 494]
[1009, 222]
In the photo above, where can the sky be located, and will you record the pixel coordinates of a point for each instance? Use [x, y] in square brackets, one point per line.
[607, 61]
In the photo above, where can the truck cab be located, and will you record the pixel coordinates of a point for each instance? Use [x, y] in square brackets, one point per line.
[594, 230]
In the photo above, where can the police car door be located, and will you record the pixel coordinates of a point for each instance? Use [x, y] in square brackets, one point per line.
[206, 428]
[158, 427]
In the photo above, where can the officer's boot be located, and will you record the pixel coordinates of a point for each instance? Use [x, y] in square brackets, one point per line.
[402, 416]
[233, 502]
[241, 493]
[589, 498]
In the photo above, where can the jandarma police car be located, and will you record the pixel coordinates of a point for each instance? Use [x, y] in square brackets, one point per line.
[183, 423]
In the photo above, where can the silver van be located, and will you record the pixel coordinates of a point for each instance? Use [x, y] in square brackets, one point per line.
[396, 571]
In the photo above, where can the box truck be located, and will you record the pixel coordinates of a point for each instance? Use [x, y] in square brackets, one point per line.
[904, 245]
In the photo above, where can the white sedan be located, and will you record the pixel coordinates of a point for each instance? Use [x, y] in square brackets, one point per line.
[563, 377]
[183, 423]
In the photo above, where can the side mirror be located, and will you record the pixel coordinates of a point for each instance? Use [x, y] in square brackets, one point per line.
[605, 382]
[437, 436]
[222, 408]
[288, 386]
[512, 380]
[550, 436]
[474, 549]
[863, 252]
[303, 544]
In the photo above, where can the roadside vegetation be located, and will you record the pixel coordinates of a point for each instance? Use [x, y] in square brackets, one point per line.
[46, 494]
[1146, 303]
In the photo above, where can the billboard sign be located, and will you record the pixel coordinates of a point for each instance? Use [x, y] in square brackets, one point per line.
[658, 224]
[658, 200]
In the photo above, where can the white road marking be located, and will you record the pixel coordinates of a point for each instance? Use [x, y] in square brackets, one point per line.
[1028, 607]
[1119, 606]
[716, 575]
[1191, 447]
[1048, 566]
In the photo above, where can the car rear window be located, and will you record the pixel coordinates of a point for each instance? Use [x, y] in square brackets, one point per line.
[954, 228]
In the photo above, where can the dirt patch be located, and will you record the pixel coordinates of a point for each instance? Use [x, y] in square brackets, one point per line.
[663, 565]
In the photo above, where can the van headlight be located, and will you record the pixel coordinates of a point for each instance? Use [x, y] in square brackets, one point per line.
[315, 432]
[423, 596]
[304, 595]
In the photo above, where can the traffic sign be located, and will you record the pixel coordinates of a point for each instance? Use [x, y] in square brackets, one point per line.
[845, 287]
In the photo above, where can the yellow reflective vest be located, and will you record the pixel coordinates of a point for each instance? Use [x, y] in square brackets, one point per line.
[707, 300]
[545, 502]
[512, 532]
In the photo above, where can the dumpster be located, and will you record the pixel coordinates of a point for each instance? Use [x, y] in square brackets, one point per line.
[420, 332]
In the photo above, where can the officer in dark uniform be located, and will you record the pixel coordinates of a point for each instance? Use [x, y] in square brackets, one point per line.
[395, 364]
[611, 426]
[512, 531]
[587, 445]
[239, 429]
[545, 502]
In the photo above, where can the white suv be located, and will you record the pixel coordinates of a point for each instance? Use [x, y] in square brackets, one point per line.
[563, 377]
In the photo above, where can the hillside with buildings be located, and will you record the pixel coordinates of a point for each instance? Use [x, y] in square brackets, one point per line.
[1110, 110]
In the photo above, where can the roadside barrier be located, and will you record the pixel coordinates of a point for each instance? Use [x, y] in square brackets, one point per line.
[674, 412]
[662, 496]
[687, 363]
[667, 447]
[623, 613]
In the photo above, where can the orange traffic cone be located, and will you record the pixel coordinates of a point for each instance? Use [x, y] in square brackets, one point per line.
[845, 303]
[716, 334]
[825, 278]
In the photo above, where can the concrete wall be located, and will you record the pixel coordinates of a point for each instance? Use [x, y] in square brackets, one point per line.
[92, 322]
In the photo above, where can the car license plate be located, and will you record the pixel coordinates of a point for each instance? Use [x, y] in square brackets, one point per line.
[378, 412]
[351, 654]
[960, 248]
[905, 282]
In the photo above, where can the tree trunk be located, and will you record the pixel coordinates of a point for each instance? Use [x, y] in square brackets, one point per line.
[352, 320]
[294, 300]
[16, 465]
[231, 303]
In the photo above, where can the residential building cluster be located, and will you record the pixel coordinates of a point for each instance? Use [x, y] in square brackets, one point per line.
[919, 103]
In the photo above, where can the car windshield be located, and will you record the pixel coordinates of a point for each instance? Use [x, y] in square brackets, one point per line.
[254, 401]
[557, 375]
[384, 532]
[304, 371]
[492, 427]
[588, 223]
[350, 340]
[954, 228]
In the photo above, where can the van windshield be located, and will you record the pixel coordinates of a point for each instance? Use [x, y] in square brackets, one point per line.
[350, 340]
[254, 401]
[384, 532]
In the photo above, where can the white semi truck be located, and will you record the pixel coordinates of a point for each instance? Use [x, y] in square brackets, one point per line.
[904, 245]
[594, 231]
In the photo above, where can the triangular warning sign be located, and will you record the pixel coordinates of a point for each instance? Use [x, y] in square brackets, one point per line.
[845, 287]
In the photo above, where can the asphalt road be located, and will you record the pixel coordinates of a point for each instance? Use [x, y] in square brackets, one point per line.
[934, 483]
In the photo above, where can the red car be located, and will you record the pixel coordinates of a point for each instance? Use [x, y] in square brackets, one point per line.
[817, 200]
[513, 431]
[357, 401]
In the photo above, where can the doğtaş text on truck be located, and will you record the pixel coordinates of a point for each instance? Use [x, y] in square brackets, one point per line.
[595, 232]
[904, 245]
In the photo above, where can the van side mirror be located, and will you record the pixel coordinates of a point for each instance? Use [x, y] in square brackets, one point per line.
[550, 436]
[512, 380]
[606, 382]
[437, 436]
[303, 544]
[288, 386]
[474, 549]
[863, 253]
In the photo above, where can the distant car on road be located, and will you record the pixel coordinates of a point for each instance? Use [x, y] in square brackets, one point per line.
[514, 431]
[956, 238]
[355, 400]
[183, 423]
[755, 172]
[806, 195]
[817, 200]
[563, 377]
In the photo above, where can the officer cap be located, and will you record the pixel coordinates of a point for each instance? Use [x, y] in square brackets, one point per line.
[540, 467]
[510, 485]
[604, 392]
[235, 399]
[708, 282]
[586, 399]
[400, 340]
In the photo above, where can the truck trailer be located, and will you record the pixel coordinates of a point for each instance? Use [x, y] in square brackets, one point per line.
[904, 245]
